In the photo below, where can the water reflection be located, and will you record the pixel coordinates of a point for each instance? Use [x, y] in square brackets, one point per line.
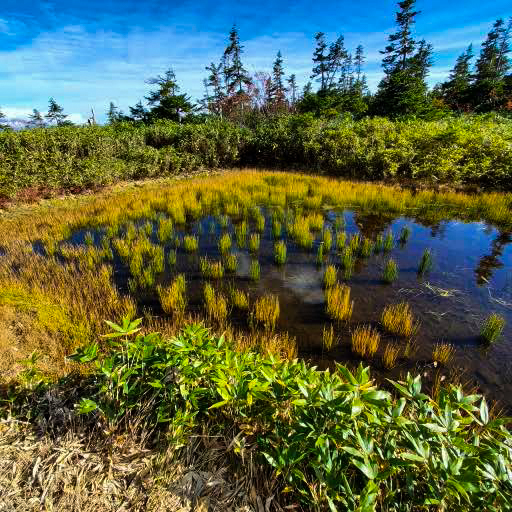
[492, 261]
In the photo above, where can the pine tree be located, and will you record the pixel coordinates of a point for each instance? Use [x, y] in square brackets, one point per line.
[167, 86]
[488, 89]
[403, 90]
[55, 113]
[236, 76]
[456, 90]
[36, 119]
[292, 87]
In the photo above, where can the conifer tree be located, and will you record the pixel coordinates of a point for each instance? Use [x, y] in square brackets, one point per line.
[292, 87]
[456, 90]
[36, 119]
[320, 59]
[214, 81]
[489, 84]
[3, 126]
[277, 88]
[236, 76]
[403, 90]
[55, 113]
[138, 112]
[114, 114]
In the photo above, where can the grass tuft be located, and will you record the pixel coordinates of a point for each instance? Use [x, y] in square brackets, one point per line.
[390, 355]
[330, 276]
[328, 337]
[338, 304]
[398, 319]
[190, 243]
[265, 312]
[365, 341]
[492, 328]
[390, 272]
[280, 252]
[443, 353]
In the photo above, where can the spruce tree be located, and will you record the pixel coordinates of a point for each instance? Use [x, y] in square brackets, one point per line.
[488, 91]
[292, 87]
[403, 90]
[3, 125]
[55, 113]
[456, 90]
[114, 114]
[236, 76]
[277, 88]
[36, 119]
[320, 59]
[138, 112]
[214, 81]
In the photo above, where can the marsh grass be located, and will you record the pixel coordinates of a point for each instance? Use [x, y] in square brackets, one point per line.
[341, 239]
[241, 234]
[330, 276]
[398, 319]
[339, 222]
[327, 240]
[443, 353]
[338, 304]
[211, 269]
[355, 241]
[190, 243]
[390, 355]
[239, 298]
[230, 262]
[365, 341]
[425, 264]
[300, 232]
[315, 221]
[328, 340]
[320, 254]
[492, 328]
[216, 305]
[366, 248]
[390, 272]
[224, 243]
[265, 312]
[388, 242]
[277, 228]
[172, 257]
[280, 252]
[254, 270]
[165, 229]
[254, 242]
[259, 222]
[379, 244]
[172, 298]
[405, 233]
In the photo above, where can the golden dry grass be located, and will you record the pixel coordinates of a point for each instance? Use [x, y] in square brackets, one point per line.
[338, 304]
[398, 319]
[365, 341]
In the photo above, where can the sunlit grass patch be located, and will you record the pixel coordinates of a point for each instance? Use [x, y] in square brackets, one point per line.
[366, 248]
[172, 297]
[165, 229]
[330, 276]
[230, 262]
[254, 270]
[265, 312]
[405, 233]
[328, 337]
[280, 252]
[341, 239]
[327, 240]
[338, 304]
[254, 242]
[239, 298]
[398, 319]
[492, 328]
[390, 272]
[388, 242]
[443, 353]
[211, 269]
[390, 355]
[224, 243]
[190, 243]
[365, 341]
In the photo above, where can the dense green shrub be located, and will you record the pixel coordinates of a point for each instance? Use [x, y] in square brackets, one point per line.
[456, 150]
[334, 440]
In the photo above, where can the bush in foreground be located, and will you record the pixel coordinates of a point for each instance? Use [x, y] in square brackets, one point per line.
[332, 438]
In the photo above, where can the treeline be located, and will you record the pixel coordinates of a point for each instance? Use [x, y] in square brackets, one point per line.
[337, 85]
[467, 150]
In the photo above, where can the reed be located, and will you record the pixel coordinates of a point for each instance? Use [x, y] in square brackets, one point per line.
[165, 229]
[390, 272]
[328, 337]
[338, 304]
[443, 353]
[390, 355]
[231, 262]
[239, 298]
[320, 254]
[355, 241]
[223, 221]
[276, 228]
[190, 243]
[224, 243]
[172, 298]
[172, 257]
[241, 234]
[330, 276]
[315, 221]
[299, 230]
[388, 242]
[216, 305]
[492, 328]
[425, 262]
[379, 244]
[254, 270]
[347, 260]
[398, 319]
[280, 252]
[254, 242]
[405, 233]
[365, 341]
[265, 312]
[341, 239]
[211, 269]
[259, 223]
[327, 240]
[366, 248]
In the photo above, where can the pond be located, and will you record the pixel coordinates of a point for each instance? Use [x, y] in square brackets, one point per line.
[469, 278]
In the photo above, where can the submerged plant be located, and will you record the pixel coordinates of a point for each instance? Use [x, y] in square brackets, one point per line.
[254, 242]
[390, 272]
[266, 312]
[443, 353]
[190, 243]
[254, 270]
[339, 222]
[338, 304]
[365, 341]
[328, 337]
[398, 319]
[425, 262]
[492, 328]
[224, 243]
[330, 276]
[390, 355]
[280, 252]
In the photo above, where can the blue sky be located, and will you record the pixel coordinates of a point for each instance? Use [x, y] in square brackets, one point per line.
[88, 53]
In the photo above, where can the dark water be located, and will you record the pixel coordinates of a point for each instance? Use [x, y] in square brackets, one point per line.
[472, 263]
